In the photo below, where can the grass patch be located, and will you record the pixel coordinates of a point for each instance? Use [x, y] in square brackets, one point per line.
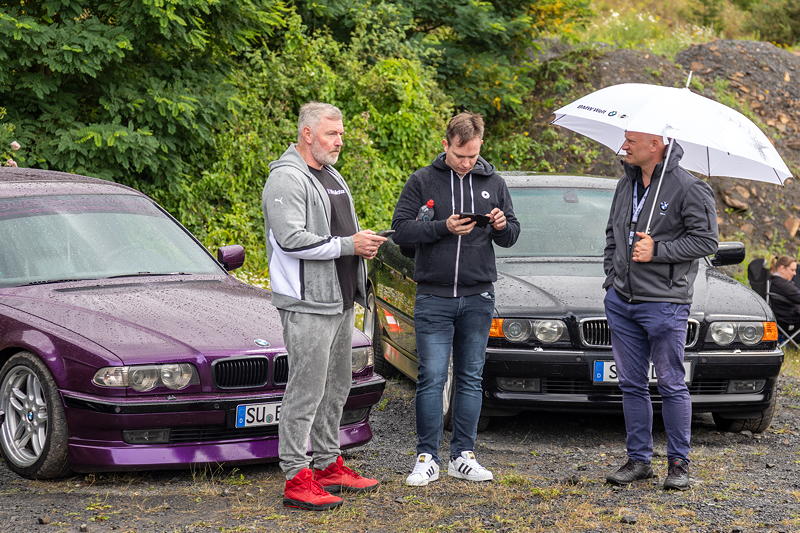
[791, 364]
[644, 30]
[514, 480]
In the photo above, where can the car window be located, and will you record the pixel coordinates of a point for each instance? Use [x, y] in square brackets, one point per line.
[562, 222]
[49, 238]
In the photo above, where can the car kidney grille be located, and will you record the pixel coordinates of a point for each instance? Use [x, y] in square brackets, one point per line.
[596, 334]
[281, 372]
[241, 372]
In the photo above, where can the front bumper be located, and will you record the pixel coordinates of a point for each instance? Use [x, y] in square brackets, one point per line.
[201, 429]
[566, 381]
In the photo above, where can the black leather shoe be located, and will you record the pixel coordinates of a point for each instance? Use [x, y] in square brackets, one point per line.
[677, 475]
[630, 472]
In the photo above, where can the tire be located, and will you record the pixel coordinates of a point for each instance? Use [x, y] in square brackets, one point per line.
[756, 424]
[447, 403]
[33, 438]
[372, 328]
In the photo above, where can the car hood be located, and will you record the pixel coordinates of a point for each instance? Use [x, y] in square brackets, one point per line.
[551, 288]
[170, 318]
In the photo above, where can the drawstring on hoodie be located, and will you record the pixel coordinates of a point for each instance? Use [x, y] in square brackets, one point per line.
[461, 210]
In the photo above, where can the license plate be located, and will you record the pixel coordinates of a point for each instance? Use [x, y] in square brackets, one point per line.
[606, 372]
[257, 414]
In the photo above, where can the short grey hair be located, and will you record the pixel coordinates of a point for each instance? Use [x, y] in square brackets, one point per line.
[312, 112]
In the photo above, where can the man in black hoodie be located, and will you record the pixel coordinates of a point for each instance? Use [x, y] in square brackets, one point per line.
[454, 271]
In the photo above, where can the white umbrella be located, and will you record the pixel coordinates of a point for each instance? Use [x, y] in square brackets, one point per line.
[716, 140]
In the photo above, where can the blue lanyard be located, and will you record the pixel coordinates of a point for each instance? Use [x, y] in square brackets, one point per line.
[637, 207]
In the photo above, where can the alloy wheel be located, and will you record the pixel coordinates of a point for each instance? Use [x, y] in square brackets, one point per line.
[24, 432]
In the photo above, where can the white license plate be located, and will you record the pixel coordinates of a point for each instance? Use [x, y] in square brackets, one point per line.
[257, 414]
[606, 372]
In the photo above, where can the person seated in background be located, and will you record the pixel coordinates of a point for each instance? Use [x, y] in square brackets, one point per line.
[784, 294]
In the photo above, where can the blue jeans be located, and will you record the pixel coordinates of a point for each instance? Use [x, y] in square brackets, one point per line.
[642, 332]
[443, 325]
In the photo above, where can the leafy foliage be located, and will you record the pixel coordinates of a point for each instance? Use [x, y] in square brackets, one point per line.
[480, 49]
[776, 20]
[394, 118]
[125, 89]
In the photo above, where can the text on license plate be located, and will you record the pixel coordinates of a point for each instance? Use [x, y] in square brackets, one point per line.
[606, 372]
[257, 414]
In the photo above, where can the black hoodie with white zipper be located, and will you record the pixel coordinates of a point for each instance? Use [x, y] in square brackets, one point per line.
[448, 264]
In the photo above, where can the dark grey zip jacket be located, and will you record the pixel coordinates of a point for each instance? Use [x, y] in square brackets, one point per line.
[684, 228]
[447, 264]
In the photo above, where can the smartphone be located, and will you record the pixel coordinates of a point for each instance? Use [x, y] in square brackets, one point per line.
[480, 220]
[385, 232]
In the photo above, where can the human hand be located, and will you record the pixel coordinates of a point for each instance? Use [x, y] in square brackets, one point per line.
[366, 243]
[460, 226]
[643, 249]
[498, 219]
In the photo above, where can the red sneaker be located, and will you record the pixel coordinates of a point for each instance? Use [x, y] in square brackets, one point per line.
[337, 477]
[304, 493]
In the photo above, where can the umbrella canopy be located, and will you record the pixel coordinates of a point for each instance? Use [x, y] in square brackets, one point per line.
[717, 140]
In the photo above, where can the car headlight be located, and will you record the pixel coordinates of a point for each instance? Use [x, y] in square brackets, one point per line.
[362, 358]
[722, 333]
[522, 329]
[517, 329]
[176, 376]
[143, 378]
[748, 333]
[549, 331]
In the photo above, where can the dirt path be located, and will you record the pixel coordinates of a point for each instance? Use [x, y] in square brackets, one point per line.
[548, 469]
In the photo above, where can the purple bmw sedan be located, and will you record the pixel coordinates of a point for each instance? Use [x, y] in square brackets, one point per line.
[124, 345]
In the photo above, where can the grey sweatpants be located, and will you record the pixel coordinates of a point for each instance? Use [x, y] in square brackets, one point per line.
[320, 373]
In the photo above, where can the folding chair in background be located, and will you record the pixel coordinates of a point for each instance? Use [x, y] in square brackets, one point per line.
[758, 276]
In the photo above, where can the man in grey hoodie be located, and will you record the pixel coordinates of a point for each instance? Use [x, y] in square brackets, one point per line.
[317, 271]
[649, 282]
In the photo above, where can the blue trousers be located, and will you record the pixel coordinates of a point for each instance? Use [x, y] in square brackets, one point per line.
[640, 333]
[443, 326]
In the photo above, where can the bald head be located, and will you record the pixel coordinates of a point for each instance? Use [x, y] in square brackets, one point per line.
[643, 149]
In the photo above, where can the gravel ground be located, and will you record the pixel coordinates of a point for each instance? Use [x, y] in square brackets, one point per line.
[549, 470]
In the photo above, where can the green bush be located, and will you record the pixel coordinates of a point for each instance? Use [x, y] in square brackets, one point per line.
[394, 118]
[777, 21]
[128, 90]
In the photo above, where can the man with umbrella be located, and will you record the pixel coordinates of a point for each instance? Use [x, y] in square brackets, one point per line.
[649, 281]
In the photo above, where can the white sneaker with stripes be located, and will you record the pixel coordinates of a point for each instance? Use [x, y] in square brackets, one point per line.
[466, 467]
[425, 471]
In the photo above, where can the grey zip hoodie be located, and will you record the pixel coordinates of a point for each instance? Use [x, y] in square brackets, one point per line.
[684, 229]
[300, 248]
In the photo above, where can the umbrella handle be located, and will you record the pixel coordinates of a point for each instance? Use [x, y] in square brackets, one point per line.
[658, 187]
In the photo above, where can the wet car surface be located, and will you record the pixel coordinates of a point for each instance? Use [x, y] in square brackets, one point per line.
[550, 346]
[125, 345]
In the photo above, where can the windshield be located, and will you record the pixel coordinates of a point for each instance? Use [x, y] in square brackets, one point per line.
[51, 238]
[560, 222]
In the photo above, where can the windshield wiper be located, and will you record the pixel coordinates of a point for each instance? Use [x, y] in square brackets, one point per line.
[141, 274]
[46, 281]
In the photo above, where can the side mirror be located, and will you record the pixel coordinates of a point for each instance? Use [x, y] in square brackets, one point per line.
[728, 253]
[231, 257]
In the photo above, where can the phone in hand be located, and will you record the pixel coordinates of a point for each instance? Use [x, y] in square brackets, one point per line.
[480, 220]
[385, 232]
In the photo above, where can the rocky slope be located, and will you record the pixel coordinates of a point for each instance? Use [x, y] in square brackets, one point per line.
[757, 78]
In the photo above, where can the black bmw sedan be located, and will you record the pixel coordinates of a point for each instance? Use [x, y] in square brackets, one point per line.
[550, 346]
